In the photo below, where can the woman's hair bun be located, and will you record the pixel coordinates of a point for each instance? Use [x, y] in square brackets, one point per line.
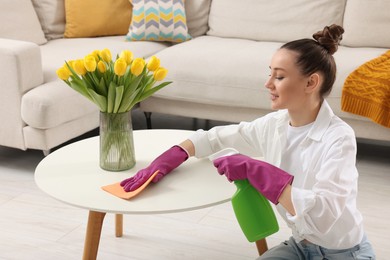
[330, 37]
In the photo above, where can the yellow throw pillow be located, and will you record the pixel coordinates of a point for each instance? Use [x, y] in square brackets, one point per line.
[88, 18]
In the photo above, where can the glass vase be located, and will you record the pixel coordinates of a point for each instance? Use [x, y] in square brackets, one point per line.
[116, 141]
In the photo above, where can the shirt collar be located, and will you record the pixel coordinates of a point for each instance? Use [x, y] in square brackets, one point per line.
[322, 122]
[320, 125]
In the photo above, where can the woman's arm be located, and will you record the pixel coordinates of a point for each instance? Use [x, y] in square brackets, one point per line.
[188, 146]
[285, 197]
[286, 201]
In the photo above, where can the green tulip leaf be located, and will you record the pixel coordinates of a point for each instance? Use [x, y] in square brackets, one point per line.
[151, 91]
[79, 87]
[118, 97]
[99, 100]
[127, 102]
[111, 97]
[102, 87]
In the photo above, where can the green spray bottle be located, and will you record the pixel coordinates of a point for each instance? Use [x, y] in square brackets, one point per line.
[253, 211]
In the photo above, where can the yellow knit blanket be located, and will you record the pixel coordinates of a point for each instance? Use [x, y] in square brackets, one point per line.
[366, 90]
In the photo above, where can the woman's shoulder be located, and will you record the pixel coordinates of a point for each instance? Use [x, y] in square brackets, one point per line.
[274, 117]
[339, 130]
[340, 125]
[270, 121]
[330, 126]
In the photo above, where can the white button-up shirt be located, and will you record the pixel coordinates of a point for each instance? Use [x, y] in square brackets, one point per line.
[324, 193]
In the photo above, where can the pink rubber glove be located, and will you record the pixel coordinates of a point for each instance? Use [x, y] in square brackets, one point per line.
[266, 178]
[165, 163]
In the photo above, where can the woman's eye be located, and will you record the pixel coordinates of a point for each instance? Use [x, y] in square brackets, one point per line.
[275, 77]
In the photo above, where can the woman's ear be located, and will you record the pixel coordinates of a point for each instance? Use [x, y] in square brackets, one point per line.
[313, 83]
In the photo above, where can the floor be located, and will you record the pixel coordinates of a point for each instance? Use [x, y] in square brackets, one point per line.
[35, 226]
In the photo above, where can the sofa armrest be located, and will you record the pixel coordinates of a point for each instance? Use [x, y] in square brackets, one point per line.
[20, 71]
[20, 65]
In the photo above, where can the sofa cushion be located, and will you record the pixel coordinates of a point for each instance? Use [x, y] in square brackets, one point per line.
[197, 12]
[55, 52]
[232, 72]
[20, 22]
[88, 18]
[53, 104]
[158, 21]
[51, 14]
[265, 20]
[366, 23]
[218, 71]
[45, 139]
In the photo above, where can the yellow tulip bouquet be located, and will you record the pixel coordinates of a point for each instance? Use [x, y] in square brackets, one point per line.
[114, 86]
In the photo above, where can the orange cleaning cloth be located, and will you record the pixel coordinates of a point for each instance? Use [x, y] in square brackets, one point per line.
[366, 90]
[117, 190]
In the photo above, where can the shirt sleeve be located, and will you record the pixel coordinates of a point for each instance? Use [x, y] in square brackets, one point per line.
[243, 137]
[335, 188]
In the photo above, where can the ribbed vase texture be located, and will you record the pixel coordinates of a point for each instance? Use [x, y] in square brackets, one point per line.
[116, 141]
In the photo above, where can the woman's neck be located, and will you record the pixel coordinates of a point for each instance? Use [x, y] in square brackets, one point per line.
[305, 115]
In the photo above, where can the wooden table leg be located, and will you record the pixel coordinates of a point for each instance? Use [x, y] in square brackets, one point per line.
[118, 225]
[92, 237]
[262, 246]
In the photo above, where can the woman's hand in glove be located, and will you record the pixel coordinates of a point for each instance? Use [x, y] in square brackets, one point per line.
[164, 164]
[269, 180]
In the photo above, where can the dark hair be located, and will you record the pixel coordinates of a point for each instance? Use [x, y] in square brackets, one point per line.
[317, 55]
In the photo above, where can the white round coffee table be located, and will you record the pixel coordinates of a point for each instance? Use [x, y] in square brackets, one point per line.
[73, 176]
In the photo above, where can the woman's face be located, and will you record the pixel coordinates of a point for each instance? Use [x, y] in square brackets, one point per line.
[286, 84]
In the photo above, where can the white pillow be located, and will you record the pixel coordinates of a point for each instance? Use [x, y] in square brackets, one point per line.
[197, 12]
[18, 21]
[367, 23]
[51, 14]
[273, 20]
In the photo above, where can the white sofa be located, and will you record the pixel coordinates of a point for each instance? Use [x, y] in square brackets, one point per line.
[219, 74]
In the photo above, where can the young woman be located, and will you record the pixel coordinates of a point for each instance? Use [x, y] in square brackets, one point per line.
[309, 154]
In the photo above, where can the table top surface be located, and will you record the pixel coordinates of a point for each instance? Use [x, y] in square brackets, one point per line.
[72, 175]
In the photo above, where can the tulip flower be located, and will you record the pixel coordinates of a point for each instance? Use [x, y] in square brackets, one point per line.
[160, 74]
[106, 55]
[96, 54]
[70, 63]
[120, 66]
[90, 63]
[153, 63]
[65, 66]
[114, 85]
[63, 73]
[78, 66]
[137, 66]
[127, 56]
[101, 67]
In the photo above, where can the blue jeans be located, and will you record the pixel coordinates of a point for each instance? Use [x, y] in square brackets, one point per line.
[290, 250]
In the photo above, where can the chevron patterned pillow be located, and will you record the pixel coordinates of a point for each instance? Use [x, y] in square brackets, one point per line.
[158, 20]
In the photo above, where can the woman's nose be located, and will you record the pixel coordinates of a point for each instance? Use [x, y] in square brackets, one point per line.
[268, 83]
